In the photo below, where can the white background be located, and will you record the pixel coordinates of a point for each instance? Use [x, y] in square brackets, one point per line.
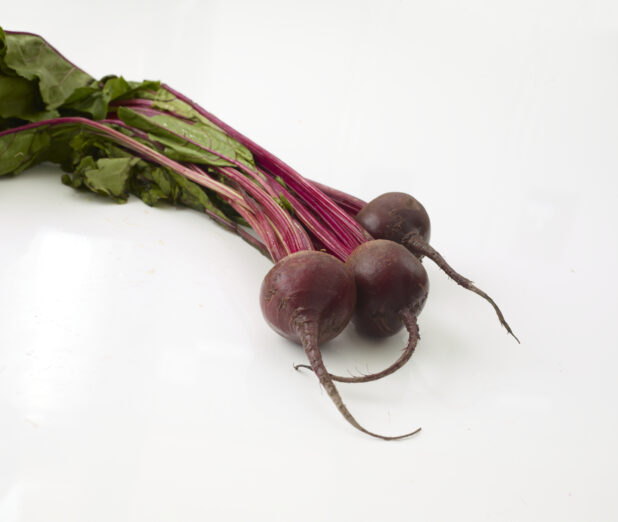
[138, 381]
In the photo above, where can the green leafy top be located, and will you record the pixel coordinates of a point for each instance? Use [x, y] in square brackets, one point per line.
[38, 84]
[31, 59]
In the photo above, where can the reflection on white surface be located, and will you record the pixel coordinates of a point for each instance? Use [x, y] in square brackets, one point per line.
[57, 264]
[11, 502]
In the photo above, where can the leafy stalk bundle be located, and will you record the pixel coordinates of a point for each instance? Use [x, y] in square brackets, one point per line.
[116, 137]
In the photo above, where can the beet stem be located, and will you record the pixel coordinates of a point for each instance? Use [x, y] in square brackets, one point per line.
[409, 321]
[308, 333]
[313, 224]
[320, 204]
[133, 145]
[348, 203]
[421, 248]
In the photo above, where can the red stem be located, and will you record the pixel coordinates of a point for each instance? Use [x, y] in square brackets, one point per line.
[295, 239]
[347, 202]
[319, 202]
[135, 146]
[314, 226]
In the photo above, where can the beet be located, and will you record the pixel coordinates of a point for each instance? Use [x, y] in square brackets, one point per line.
[392, 287]
[395, 216]
[401, 218]
[389, 280]
[308, 286]
[309, 297]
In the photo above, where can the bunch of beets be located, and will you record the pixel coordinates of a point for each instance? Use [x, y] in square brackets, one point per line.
[336, 257]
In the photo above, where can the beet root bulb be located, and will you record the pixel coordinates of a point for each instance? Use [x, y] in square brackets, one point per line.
[395, 216]
[308, 286]
[389, 280]
[309, 297]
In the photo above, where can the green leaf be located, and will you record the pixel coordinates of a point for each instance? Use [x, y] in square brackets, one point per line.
[174, 133]
[32, 58]
[137, 88]
[150, 193]
[20, 150]
[97, 164]
[115, 87]
[94, 100]
[88, 143]
[110, 177]
[164, 100]
[18, 97]
[86, 100]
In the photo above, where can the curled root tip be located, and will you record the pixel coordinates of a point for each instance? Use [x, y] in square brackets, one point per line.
[298, 367]
[383, 437]
[398, 437]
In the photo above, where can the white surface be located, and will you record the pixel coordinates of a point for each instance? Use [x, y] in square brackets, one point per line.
[138, 381]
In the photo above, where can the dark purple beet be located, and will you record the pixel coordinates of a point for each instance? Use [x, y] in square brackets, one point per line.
[392, 286]
[308, 286]
[401, 218]
[389, 280]
[309, 297]
[395, 216]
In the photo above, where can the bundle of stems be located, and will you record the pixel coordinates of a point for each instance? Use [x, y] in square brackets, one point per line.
[116, 137]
